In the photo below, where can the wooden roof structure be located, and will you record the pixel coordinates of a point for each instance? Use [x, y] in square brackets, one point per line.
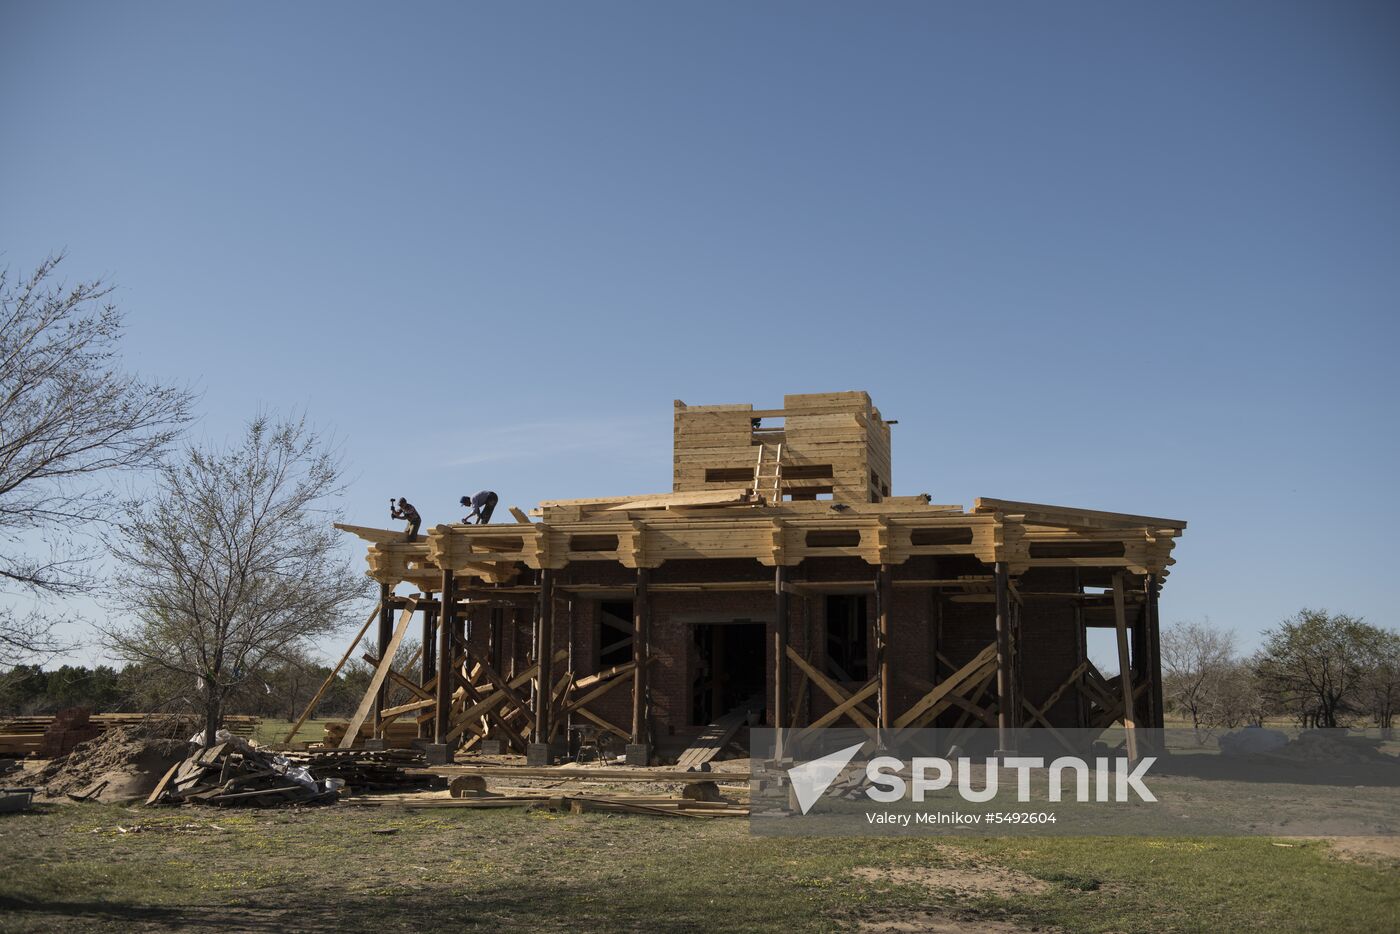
[726, 503]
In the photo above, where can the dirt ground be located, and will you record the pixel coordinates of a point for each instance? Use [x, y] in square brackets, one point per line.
[80, 867]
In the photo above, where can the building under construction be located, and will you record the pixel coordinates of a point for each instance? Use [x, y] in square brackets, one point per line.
[780, 583]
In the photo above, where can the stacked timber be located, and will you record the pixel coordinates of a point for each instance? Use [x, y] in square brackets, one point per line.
[54, 735]
[234, 774]
[398, 734]
[368, 771]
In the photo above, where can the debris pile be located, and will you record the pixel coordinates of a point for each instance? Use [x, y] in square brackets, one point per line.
[363, 771]
[234, 773]
[1336, 746]
[49, 736]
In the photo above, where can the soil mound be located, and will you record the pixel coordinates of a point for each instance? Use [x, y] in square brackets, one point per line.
[121, 765]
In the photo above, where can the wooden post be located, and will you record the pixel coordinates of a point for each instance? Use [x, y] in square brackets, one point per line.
[497, 653]
[778, 715]
[428, 659]
[884, 607]
[1137, 639]
[1081, 633]
[641, 651]
[320, 692]
[386, 632]
[447, 624]
[1120, 619]
[1154, 653]
[1003, 624]
[544, 655]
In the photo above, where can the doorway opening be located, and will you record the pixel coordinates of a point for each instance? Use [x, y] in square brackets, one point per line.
[731, 663]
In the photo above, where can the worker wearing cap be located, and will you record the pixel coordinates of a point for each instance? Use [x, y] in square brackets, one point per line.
[482, 505]
[404, 510]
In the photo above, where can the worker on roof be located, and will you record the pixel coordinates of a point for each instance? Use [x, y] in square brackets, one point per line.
[405, 510]
[482, 504]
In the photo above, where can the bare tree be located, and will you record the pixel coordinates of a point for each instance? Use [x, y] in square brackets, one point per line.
[1380, 685]
[232, 563]
[69, 418]
[1316, 663]
[1196, 668]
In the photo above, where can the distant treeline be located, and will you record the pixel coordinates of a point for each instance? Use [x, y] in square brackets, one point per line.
[280, 692]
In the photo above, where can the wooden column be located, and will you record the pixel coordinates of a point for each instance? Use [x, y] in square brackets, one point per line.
[1003, 624]
[778, 717]
[884, 607]
[544, 654]
[1154, 652]
[386, 632]
[641, 651]
[428, 658]
[497, 653]
[445, 656]
[1120, 619]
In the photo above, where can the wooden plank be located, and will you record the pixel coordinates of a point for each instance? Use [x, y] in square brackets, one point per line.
[963, 677]
[163, 783]
[705, 498]
[610, 727]
[847, 708]
[520, 515]
[1125, 672]
[1042, 514]
[316, 699]
[858, 713]
[352, 730]
[717, 735]
[370, 534]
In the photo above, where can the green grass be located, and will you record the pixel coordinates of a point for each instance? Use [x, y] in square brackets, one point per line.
[275, 731]
[70, 868]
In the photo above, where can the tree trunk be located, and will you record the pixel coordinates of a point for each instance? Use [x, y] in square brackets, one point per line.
[212, 715]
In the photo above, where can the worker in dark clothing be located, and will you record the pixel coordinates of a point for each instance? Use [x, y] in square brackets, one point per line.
[482, 505]
[405, 510]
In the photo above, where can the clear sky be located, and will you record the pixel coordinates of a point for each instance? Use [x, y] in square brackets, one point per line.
[1118, 256]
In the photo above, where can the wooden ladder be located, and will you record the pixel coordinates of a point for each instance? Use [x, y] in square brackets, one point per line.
[771, 481]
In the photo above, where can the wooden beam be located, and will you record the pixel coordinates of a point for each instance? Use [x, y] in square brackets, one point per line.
[965, 676]
[320, 692]
[884, 608]
[641, 654]
[385, 632]
[780, 644]
[544, 652]
[1125, 669]
[1042, 514]
[1003, 627]
[376, 682]
[447, 624]
[666, 500]
[834, 691]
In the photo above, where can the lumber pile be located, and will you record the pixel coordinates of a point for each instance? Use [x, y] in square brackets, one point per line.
[367, 770]
[398, 734]
[234, 774]
[52, 735]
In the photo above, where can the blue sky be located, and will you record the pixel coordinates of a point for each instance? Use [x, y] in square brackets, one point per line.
[1106, 255]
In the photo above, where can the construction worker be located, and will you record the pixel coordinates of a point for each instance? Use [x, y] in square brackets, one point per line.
[482, 505]
[405, 510]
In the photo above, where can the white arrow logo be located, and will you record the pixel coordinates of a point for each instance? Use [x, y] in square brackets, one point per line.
[810, 780]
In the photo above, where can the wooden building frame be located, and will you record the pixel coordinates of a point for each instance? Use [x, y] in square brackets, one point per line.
[991, 604]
